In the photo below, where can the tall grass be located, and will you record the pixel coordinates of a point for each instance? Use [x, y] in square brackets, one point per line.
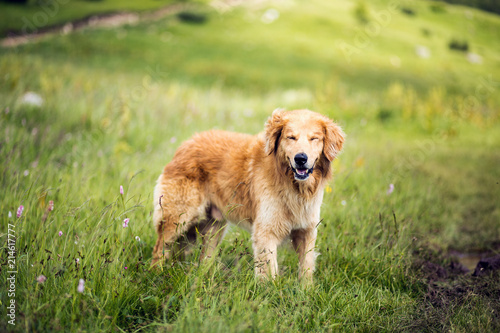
[79, 148]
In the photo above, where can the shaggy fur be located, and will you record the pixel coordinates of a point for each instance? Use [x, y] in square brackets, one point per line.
[251, 181]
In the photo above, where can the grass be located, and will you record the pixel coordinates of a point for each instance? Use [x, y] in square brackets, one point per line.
[118, 102]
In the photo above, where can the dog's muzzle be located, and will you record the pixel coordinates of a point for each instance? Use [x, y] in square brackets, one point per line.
[300, 167]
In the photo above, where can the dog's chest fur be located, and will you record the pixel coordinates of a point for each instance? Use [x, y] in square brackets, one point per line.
[285, 211]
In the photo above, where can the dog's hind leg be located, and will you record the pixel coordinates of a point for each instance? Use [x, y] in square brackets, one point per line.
[179, 203]
[212, 231]
[187, 241]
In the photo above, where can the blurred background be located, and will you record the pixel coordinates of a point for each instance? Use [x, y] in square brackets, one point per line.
[377, 59]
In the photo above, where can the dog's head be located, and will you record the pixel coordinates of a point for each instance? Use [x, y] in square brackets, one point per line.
[304, 140]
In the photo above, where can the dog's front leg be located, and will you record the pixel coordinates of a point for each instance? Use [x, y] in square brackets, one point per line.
[265, 246]
[303, 242]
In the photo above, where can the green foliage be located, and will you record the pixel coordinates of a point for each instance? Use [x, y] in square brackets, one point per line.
[487, 5]
[16, 1]
[192, 17]
[361, 13]
[118, 102]
[458, 45]
[408, 11]
[438, 8]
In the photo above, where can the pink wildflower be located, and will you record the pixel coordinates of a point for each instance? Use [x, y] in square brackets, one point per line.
[121, 190]
[125, 222]
[390, 189]
[41, 279]
[60, 233]
[20, 211]
[51, 206]
[81, 286]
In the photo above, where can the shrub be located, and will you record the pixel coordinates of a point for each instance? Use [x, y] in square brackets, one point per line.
[15, 1]
[361, 13]
[459, 45]
[487, 5]
[191, 17]
[437, 8]
[426, 32]
[384, 115]
[408, 11]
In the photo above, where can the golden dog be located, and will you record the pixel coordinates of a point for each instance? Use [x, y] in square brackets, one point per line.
[270, 184]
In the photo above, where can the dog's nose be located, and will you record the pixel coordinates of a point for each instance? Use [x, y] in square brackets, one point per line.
[300, 159]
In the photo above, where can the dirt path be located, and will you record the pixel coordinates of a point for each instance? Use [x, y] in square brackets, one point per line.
[96, 21]
[120, 19]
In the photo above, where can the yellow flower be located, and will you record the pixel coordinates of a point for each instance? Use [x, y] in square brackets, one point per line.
[360, 161]
[122, 147]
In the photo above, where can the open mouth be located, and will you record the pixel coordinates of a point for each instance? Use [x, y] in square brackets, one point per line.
[301, 174]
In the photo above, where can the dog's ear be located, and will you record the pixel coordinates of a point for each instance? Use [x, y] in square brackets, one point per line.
[273, 128]
[334, 140]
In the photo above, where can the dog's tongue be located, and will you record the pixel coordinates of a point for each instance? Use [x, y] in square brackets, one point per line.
[301, 171]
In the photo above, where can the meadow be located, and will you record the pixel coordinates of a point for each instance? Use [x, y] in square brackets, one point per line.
[415, 191]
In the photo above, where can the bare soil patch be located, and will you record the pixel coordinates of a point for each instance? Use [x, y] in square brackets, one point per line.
[452, 289]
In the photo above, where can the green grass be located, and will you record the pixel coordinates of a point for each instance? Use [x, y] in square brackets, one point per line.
[118, 102]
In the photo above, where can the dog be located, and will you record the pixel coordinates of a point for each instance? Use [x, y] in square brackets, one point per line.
[271, 184]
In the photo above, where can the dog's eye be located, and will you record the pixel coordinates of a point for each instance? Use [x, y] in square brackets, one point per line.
[313, 139]
[291, 138]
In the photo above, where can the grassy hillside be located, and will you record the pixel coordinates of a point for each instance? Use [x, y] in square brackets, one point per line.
[118, 102]
[35, 16]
